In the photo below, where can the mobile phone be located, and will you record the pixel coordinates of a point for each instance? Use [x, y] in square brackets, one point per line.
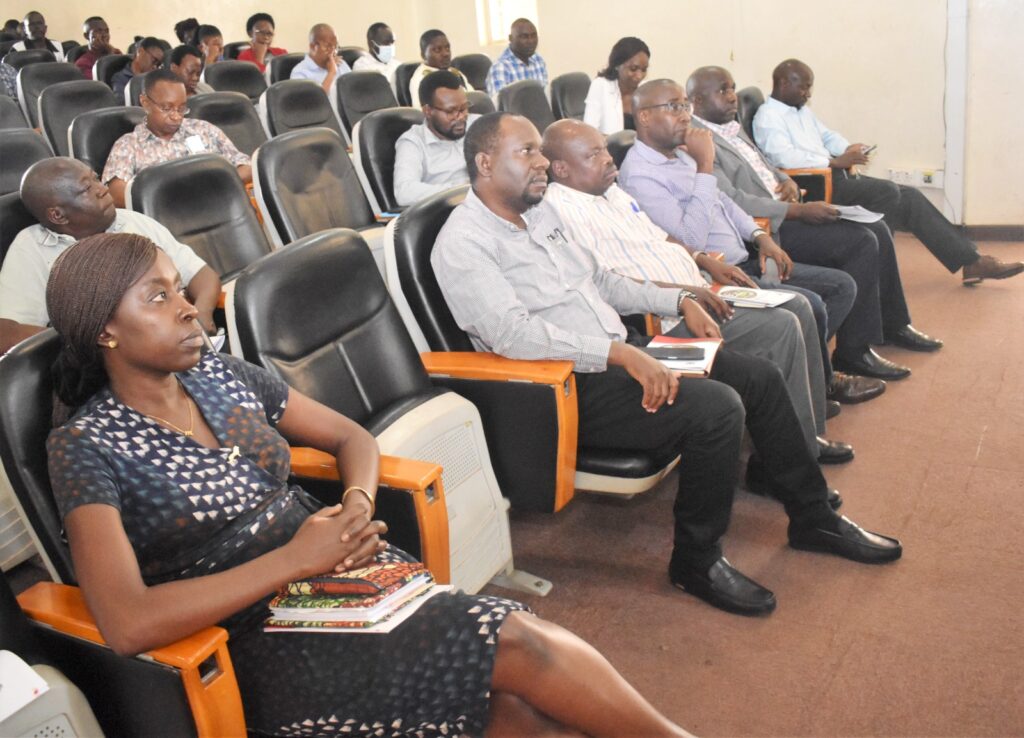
[676, 353]
[869, 149]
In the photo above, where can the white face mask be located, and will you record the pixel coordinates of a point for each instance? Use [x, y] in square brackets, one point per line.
[385, 53]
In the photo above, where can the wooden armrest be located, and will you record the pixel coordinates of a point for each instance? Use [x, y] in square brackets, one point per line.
[488, 366]
[221, 299]
[385, 218]
[825, 173]
[212, 693]
[764, 224]
[421, 479]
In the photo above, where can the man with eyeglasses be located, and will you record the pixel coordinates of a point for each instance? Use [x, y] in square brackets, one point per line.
[149, 55]
[34, 25]
[165, 135]
[429, 156]
[321, 64]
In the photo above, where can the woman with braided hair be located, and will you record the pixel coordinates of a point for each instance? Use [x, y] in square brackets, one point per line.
[170, 468]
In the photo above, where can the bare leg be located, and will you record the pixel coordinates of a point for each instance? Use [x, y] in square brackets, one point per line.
[563, 677]
[510, 717]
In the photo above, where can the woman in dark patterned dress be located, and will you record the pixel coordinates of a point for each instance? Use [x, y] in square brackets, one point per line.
[171, 475]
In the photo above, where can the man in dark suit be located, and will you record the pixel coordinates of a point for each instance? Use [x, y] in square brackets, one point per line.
[811, 233]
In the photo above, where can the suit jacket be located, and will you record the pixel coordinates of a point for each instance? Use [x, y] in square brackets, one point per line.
[738, 180]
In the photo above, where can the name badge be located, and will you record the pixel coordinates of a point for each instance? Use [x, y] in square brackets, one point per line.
[194, 144]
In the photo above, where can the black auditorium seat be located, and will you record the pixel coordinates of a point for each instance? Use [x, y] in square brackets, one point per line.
[107, 66]
[351, 54]
[280, 67]
[19, 59]
[360, 93]
[92, 135]
[568, 94]
[619, 144]
[403, 73]
[232, 113]
[14, 217]
[527, 98]
[749, 99]
[133, 90]
[61, 103]
[237, 76]
[475, 67]
[71, 55]
[10, 114]
[373, 150]
[293, 104]
[20, 148]
[233, 48]
[34, 78]
[480, 103]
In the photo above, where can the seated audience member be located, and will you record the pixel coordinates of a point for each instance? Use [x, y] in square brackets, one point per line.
[12, 30]
[609, 103]
[602, 219]
[70, 203]
[380, 40]
[166, 134]
[187, 63]
[34, 25]
[429, 157]
[156, 565]
[149, 55]
[211, 43]
[187, 31]
[437, 55]
[791, 136]
[321, 63]
[520, 287]
[260, 29]
[679, 192]
[809, 232]
[519, 60]
[97, 35]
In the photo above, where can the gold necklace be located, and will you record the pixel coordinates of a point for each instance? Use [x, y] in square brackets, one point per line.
[191, 418]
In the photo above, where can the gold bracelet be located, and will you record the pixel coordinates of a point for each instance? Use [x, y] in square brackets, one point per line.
[373, 502]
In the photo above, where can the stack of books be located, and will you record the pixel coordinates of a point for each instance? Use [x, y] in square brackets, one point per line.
[373, 599]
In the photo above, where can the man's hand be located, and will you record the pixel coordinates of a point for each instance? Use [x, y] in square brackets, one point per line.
[770, 250]
[723, 273]
[788, 191]
[699, 323]
[659, 382]
[701, 146]
[854, 154]
[712, 303]
[817, 212]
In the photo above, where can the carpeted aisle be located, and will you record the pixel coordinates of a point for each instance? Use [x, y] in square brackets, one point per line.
[928, 646]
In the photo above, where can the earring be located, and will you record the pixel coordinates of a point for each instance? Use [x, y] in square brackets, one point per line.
[112, 343]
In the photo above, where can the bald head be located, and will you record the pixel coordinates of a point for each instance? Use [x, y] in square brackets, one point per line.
[792, 81]
[713, 94]
[50, 182]
[66, 196]
[320, 32]
[651, 93]
[578, 157]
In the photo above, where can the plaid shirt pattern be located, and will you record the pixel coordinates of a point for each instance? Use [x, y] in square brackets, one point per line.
[510, 68]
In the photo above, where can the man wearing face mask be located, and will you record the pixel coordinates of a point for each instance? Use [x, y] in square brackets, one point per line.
[380, 40]
[321, 64]
[429, 157]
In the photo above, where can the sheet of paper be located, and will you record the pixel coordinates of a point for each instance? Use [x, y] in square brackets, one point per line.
[19, 684]
[858, 214]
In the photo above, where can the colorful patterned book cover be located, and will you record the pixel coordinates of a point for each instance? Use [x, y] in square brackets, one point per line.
[309, 605]
[369, 580]
[384, 624]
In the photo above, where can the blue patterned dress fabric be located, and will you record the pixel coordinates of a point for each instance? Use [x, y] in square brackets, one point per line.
[189, 510]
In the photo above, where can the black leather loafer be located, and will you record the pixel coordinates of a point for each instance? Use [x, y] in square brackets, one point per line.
[870, 364]
[834, 452]
[850, 389]
[849, 540]
[909, 337]
[832, 409]
[726, 588]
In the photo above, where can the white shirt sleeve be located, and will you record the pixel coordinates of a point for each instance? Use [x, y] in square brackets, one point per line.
[184, 258]
[23, 282]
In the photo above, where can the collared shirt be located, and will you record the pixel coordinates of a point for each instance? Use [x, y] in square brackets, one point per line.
[510, 68]
[52, 46]
[603, 107]
[85, 62]
[425, 163]
[371, 63]
[686, 203]
[533, 293]
[139, 149]
[26, 268]
[731, 133]
[309, 69]
[794, 137]
[422, 71]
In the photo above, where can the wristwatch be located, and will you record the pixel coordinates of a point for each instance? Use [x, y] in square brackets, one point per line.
[758, 232]
[683, 294]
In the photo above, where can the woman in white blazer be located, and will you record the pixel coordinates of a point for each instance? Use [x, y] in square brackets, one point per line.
[609, 103]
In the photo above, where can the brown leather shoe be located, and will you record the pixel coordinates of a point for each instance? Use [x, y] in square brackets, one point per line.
[850, 389]
[989, 267]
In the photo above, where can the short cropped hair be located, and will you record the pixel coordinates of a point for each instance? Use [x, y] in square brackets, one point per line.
[481, 136]
[256, 18]
[372, 30]
[207, 31]
[149, 42]
[427, 37]
[160, 75]
[180, 52]
[435, 81]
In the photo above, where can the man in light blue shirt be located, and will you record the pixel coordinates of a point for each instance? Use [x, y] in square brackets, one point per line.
[519, 61]
[791, 136]
[321, 64]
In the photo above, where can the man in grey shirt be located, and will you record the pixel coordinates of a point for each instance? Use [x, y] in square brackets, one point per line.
[519, 287]
[428, 157]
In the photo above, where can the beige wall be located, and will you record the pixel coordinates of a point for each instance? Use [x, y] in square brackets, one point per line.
[879, 64]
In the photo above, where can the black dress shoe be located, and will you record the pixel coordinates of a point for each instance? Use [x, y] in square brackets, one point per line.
[850, 389]
[834, 452]
[758, 484]
[726, 588]
[909, 337]
[871, 364]
[832, 409]
[848, 540]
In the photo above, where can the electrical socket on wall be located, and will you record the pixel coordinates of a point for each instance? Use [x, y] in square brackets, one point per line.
[918, 177]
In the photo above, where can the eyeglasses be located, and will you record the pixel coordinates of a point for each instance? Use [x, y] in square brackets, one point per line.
[452, 112]
[157, 60]
[171, 110]
[675, 108]
[258, 32]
